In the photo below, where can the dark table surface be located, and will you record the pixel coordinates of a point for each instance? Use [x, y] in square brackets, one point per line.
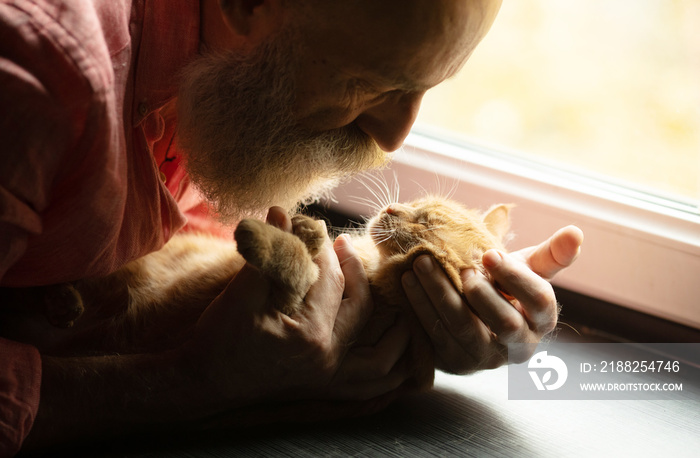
[461, 416]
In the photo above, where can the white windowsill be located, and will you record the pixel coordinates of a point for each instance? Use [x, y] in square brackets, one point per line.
[637, 253]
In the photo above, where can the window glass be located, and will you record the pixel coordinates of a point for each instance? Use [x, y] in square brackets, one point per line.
[607, 87]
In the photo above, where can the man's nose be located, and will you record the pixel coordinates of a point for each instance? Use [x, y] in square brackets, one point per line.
[389, 122]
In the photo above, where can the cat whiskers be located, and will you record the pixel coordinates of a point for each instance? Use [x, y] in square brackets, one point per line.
[372, 203]
[439, 185]
[349, 230]
[378, 187]
[380, 235]
[401, 247]
[382, 196]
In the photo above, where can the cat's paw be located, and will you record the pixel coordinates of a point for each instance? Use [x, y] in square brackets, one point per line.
[63, 304]
[283, 257]
[310, 232]
[254, 241]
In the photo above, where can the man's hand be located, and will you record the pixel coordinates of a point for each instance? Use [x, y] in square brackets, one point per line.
[249, 352]
[516, 305]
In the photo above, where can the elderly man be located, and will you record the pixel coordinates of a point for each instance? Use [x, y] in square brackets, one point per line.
[125, 121]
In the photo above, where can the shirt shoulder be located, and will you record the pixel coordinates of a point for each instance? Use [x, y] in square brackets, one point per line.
[58, 94]
[60, 121]
[62, 41]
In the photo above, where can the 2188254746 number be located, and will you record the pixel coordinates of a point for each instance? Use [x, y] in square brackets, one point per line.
[639, 366]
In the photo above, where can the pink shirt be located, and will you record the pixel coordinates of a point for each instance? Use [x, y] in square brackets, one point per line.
[86, 127]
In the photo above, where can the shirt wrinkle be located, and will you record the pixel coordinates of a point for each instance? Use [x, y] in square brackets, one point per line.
[81, 52]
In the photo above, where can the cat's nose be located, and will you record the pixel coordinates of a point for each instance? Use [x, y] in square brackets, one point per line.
[395, 209]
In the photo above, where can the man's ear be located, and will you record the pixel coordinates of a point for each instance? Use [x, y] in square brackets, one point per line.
[252, 18]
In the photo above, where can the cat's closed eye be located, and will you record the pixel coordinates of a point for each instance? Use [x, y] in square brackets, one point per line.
[429, 219]
[422, 218]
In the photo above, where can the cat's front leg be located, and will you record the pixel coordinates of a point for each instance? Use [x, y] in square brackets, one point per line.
[63, 304]
[283, 257]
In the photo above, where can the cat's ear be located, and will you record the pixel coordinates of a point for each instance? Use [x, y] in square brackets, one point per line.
[497, 220]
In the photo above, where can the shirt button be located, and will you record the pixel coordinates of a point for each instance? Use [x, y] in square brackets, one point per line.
[143, 108]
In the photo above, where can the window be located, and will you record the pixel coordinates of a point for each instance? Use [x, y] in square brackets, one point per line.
[606, 87]
[583, 113]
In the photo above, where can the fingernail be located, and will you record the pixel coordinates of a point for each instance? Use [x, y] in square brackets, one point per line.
[409, 279]
[424, 264]
[343, 243]
[492, 258]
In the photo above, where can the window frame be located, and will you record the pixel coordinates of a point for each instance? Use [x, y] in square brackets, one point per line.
[640, 251]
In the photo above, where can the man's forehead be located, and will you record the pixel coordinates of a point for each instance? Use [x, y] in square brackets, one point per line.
[401, 48]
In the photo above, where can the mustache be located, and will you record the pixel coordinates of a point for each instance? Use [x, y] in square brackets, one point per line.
[352, 148]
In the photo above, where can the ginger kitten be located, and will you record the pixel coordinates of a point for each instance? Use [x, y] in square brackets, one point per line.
[152, 303]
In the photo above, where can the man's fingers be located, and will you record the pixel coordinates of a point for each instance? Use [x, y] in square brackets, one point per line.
[374, 362]
[356, 283]
[502, 318]
[505, 321]
[368, 372]
[445, 317]
[356, 307]
[452, 315]
[566, 244]
[438, 288]
[323, 299]
[425, 311]
[279, 218]
[248, 289]
[555, 253]
[534, 294]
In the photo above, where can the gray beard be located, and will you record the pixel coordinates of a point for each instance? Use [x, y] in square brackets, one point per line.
[242, 147]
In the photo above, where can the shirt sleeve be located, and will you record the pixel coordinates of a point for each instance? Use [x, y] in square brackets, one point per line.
[33, 136]
[20, 381]
[41, 117]
[37, 126]
[23, 176]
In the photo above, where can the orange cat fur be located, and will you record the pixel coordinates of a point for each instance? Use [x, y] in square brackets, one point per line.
[152, 302]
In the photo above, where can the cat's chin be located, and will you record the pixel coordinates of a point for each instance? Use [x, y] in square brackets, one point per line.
[388, 233]
[396, 245]
[384, 250]
[381, 237]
